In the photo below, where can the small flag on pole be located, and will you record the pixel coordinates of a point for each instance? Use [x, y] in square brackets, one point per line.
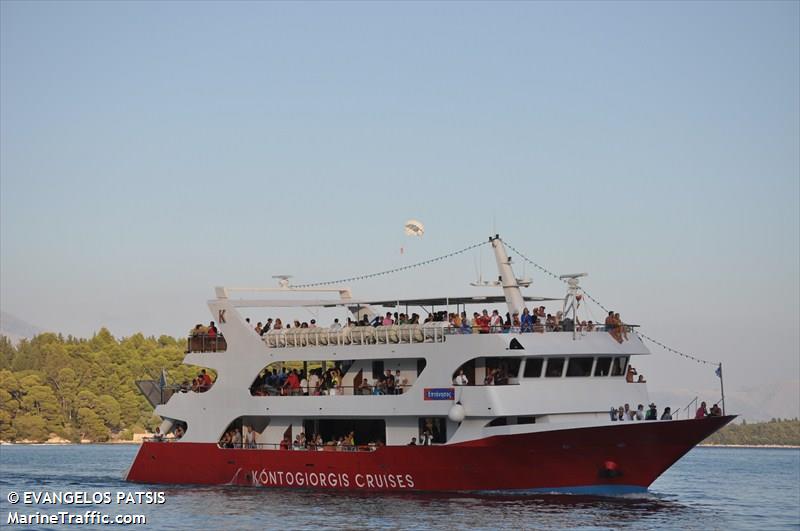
[718, 371]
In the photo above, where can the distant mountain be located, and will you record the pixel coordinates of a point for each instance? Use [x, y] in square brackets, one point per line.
[15, 328]
[779, 399]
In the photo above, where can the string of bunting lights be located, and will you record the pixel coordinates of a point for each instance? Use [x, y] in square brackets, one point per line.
[588, 296]
[518, 253]
[390, 271]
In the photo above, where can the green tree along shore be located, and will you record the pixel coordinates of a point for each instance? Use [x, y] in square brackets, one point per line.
[776, 431]
[83, 388]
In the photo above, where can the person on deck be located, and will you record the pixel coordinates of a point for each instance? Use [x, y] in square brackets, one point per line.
[716, 411]
[526, 321]
[483, 322]
[495, 321]
[652, 413]
[667, 415]
[701, 412]
[461, 378]
[205, 383]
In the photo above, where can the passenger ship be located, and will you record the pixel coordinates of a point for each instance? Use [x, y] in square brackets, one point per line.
[547, 430]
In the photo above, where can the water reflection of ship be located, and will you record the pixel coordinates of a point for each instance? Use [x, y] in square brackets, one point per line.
[532, 416]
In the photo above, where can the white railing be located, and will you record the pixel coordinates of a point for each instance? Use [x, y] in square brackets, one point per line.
[356, 335]
[368, 335]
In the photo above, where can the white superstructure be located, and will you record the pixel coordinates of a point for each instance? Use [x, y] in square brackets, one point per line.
[556, 379]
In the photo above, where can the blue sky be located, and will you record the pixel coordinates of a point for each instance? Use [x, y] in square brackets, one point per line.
[150, 151]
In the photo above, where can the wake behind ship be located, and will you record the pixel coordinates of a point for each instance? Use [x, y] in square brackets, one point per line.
[384, 402]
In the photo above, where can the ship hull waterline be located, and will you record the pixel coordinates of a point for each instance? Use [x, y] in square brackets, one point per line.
[610, 459]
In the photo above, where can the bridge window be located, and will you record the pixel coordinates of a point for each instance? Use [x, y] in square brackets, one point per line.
[555, 368]
[603, 367]
[490, 371]
[618, 369]
[533, 367]
[580, 367]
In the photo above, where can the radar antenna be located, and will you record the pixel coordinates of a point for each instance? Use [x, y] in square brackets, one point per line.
[573, 298]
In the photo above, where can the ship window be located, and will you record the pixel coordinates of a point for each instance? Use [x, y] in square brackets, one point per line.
[555, 367]
[509, 366]
[580, 367]
[365, 431]
[618, 368]
[603, 367]
[421, 363]
[245, 432]
[510, 421]
[377, 369]
[533, 367]
[433, 427]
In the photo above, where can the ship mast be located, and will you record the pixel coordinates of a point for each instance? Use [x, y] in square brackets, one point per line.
[509, 281]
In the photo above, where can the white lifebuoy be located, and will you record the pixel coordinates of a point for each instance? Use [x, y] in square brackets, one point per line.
[457, 413]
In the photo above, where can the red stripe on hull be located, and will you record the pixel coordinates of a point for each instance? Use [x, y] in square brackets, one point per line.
[630, 454]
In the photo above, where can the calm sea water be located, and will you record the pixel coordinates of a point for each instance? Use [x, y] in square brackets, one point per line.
[710, 488]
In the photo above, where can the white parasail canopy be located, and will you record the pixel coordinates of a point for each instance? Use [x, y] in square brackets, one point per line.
[414, 228]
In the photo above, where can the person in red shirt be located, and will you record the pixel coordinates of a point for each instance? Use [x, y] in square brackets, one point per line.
[205, 381]
[483, 322]
[292, 384]
[702, 412]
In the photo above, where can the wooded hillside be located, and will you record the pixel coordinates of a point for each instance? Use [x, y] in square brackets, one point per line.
[82, 388]
[776, 431]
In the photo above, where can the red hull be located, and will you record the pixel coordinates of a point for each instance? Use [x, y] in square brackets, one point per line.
[618, 458]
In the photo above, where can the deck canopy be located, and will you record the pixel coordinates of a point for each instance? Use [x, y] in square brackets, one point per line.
[332, 303]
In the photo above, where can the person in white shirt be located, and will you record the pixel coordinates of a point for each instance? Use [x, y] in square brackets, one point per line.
[426, 438]
[461, 379]
[495, 321]
[336, 326]
[313, 383]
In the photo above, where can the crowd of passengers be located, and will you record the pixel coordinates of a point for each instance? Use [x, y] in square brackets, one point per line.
[200, 383]
[498, 376]
[626, 413]
[537, 320]
[233, 438]
[177, 433]
[323, 383]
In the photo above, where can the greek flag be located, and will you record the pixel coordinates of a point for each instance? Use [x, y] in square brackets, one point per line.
[718, 371]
